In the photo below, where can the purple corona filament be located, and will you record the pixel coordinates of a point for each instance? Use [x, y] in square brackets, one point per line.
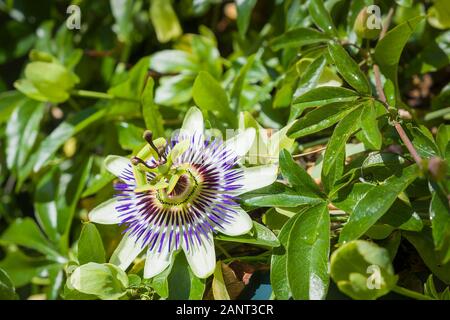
[201, 202]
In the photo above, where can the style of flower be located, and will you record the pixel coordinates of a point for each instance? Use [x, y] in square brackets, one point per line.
[176, 195]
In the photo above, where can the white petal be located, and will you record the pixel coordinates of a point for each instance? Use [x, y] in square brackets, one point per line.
[125, 253]
[201, 258]
[105, 213]
[242, 142]
[156, 262]
[241, 224]
[257, 177]
[193, 122]
[116, 164]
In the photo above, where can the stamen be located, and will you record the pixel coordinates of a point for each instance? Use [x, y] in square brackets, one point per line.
[136, 161]
[148, 136]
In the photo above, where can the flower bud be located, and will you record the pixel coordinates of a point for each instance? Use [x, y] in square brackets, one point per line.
[437, 168]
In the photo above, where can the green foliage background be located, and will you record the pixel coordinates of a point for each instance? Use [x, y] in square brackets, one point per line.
[351, 194]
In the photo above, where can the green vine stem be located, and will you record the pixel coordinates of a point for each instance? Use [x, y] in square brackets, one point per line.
[410, 293]
[100, 95]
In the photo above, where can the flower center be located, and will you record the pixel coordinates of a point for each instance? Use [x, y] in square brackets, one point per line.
[185, 190]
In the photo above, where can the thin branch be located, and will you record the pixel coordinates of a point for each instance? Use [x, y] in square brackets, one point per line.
[379, 86]
[401, 132]
[308, 153]
[386, 23]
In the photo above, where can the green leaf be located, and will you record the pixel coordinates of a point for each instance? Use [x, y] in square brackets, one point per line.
[7, 290]
[439, 14]
[404, 3]
[362, 270]
[348, 68]
[178, 282]
[122, 11]
[70, 293]
[349, 197]
[321, 17]
[423, 142]
[299, 179]
[277, 195]
[392, 243]
[173, 61]
[440, 222]
[259, 235]
[130, 136]
[210, 96]
[90, 245]
[160, 282]
[335, 173]
[238, 84]
[164, 20]
[278, 267]
[9, 101]
[311, 75]
[206, 54]
[325, 95]
[402, 216]
[21, 268]
[430, 289]
[376, 165]
[424, 244]
[97, 182]
[319, 119]
[218, 285]
[56, 199]
[134, 280]
[70, 189]
[275, 220]
[297, 38]
[46, 210]
[47, 81]
[55, 275]
[22, 131]
[369, 125]
[244, 12]
[25, 232]
[443, 138]
[106, 281]
[309, 242]
[376, 203]
[389, 49]
[336, 145]
[150, 111]
[173, 90]
[182, 283]
[63, 132]
[129, 91]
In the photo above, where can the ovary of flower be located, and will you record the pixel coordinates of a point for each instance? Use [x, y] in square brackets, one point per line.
[176, 195]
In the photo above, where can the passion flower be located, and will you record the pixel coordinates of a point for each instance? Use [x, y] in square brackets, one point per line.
[175, 195]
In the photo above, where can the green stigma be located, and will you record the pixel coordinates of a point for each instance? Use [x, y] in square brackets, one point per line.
[167, 179]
